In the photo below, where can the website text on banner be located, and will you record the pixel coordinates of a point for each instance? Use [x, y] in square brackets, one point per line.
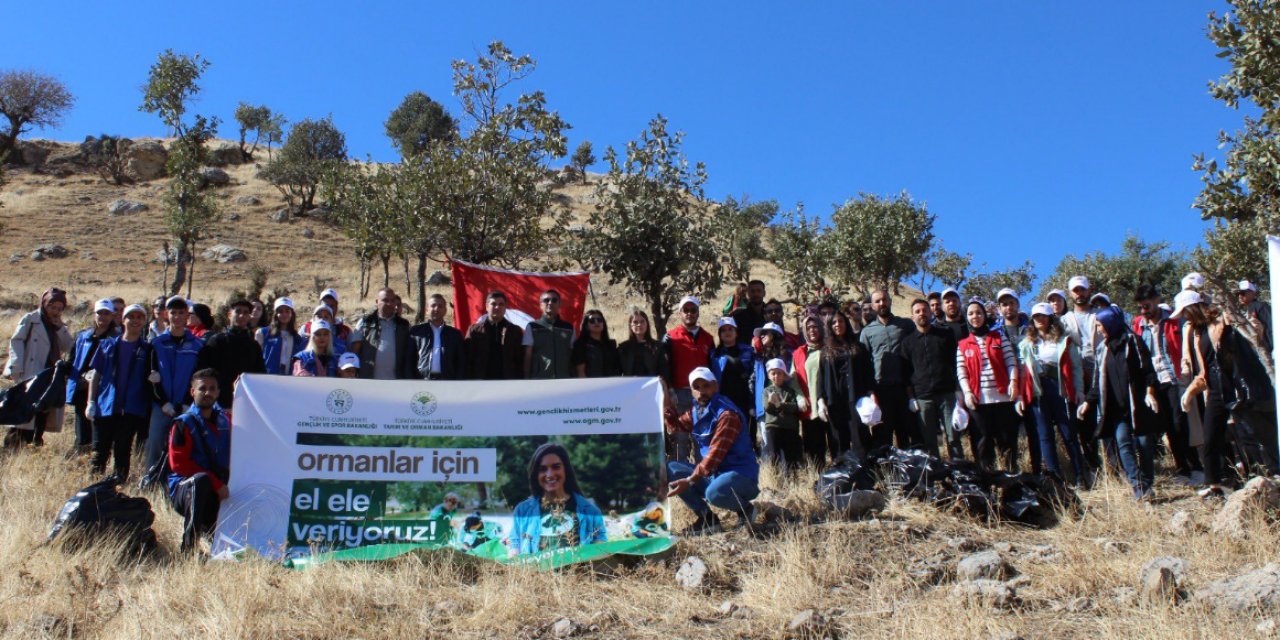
[532, 472]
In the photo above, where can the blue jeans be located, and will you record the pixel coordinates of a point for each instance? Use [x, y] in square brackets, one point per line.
[1137, 456]
[1051, 409]
[729, 490]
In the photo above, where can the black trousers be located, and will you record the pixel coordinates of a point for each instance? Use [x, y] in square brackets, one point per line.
[1254, 433]
[893, 402]
[997, 426]
[196, 500]
[113, 438]
[1028, 423]
[815, 435]
[1213, 449]
[788, 447]
[1177, 429]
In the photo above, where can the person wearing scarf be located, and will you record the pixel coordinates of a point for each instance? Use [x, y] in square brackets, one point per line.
[988, 375]
[37, 344]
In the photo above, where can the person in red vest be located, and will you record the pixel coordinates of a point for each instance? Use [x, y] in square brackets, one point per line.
[688, 347]
[988, 375]
[1163, 337]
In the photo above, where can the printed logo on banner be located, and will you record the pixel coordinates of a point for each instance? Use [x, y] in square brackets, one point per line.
[339, 401]
[423, 403]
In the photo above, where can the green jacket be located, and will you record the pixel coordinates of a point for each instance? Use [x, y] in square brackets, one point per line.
[552, 349]
[786, 413]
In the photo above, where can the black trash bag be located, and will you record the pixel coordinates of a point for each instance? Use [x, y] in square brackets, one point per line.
[44, 391]
[911, 472]
[963, 488]
[841, 479]
[100, 510]
[1036, 499]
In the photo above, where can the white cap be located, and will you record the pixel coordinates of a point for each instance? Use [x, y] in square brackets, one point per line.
[104, 305]
[323, 307]
[1192, 280]
[134, 307]
[726, 322]
[1006, 292]
[283, 302]
[1185, 299]
[1042, 309]
[328, 293]
[1076, 282]
[348, 360]
[950, 291]
[687, 299]
[1100, 296]
[775, 363]
[768, 326]
[320, 325]
[1245, 285]
[701, 373]
[1056, 292]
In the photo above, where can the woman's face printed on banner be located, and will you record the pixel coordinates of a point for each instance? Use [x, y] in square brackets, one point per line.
[551, 475]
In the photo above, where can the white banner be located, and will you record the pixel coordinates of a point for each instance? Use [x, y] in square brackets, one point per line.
[333, 463]
[1273, 258]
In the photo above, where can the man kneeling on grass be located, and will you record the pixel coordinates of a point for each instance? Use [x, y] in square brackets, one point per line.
[728, 473]
[200, 457]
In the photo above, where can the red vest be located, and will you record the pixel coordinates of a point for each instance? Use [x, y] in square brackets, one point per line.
[973, 362]
[688, 353]
[1067, 378]
[1172, 340]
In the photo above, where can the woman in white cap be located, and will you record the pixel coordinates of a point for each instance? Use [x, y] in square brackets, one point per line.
[318, 358]
[281, 339]
[325, 313]
[1052, 383]
[733, 363]
[120, 393]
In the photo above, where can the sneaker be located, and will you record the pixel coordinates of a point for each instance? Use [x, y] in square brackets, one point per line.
[746, 518]
[1210, 494]
[706, 524]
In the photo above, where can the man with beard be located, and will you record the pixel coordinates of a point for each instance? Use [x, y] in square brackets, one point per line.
[1082, 325]
[233, 352]
[883, 337]
[952, 318]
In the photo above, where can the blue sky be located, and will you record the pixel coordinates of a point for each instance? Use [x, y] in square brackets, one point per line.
[1032, 129]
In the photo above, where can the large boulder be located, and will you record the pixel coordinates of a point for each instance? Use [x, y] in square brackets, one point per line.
[30, 154]
[1259, 498]
[223, 253]
[50, 251]
[125, 207]
[1257, 590]
[226, 153]
[145, 160]
[213, 176]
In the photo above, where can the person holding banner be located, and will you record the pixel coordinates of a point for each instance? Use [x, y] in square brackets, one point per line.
[200, 459]
[728, 474]
[317, 359]
[555, 515]
[594, 354]
[435, 348]
[494, 346]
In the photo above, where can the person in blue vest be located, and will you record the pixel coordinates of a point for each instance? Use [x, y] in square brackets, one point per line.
[200, 459]
[86, 347]
[317, 359]
[173, 359]
[280, 340]
[728, 475]
[120, 393]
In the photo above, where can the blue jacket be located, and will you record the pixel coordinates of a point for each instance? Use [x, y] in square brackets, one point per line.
[526, 523]
[80, 359]
[271, 351]
[135, 398]
[212, 452]
[176, 365]
[741, 456]
[309, 362]
[733, 367]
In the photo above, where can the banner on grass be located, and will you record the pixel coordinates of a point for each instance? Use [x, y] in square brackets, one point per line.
[333, 468]
[473, 282]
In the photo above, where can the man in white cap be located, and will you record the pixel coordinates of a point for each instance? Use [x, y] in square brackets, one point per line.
[1257, 311]
[119, 392]
[727, 474]
[1081, 324]
[1193, 281]
[688, 347]
[1013, 324]
[86, 347]
[952, 318]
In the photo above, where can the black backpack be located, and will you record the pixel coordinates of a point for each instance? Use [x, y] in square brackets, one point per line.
[101, 509]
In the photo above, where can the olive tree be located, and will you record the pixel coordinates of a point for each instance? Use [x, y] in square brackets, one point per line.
[312, 146]
[418, 122]
[30, 99]
[874, 242]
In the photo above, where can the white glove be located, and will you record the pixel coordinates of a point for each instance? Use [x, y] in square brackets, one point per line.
[1020, 407]
[1013, 388]
[154, 378]
[822, 410]
[168, 410]
[803, 403]
[1187, 402]
[90, 410]
[969, 401]
[1152, 404]
[1083, 410]
[913, 406]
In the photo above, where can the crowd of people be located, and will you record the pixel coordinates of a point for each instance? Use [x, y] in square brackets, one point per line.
[1077, 374]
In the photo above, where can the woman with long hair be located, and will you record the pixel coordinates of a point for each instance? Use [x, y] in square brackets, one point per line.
[640, 354]
[594, 353]
[845, 376]
[1052, 382]
[280, 340]
[555, 515]
[318, 358]
[38, 344]
[988, 375]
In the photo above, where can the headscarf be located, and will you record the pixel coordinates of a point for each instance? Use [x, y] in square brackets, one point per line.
[981, 332]
[1112, 319]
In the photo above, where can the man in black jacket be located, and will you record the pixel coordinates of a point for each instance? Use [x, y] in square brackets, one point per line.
[233, 352]
[930, 354]
[435, 348]
[381, 339]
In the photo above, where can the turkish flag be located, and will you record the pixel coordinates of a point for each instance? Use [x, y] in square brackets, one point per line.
[473, 282]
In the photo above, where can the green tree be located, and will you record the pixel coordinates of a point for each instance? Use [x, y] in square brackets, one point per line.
[106, 154]
[875, 242]
[796, 243]
[418, 122]
[258, 120]
[30, 99]
[985, 282]
[940, 266]
[583, 157]
[312, 147]
[363, 205]
[744, 223]
[651, 229]
[1138, 262]
[1241, 192]
[190, 213]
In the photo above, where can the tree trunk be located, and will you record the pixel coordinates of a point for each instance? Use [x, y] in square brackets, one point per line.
[422, 287]
[659, 316]
[191, 272]
[386, 271]
[179, 269]
[408, 284]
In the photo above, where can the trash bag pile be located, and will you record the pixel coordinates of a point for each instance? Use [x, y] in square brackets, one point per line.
[45, 391]
[99, 511]
[1033, 499]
